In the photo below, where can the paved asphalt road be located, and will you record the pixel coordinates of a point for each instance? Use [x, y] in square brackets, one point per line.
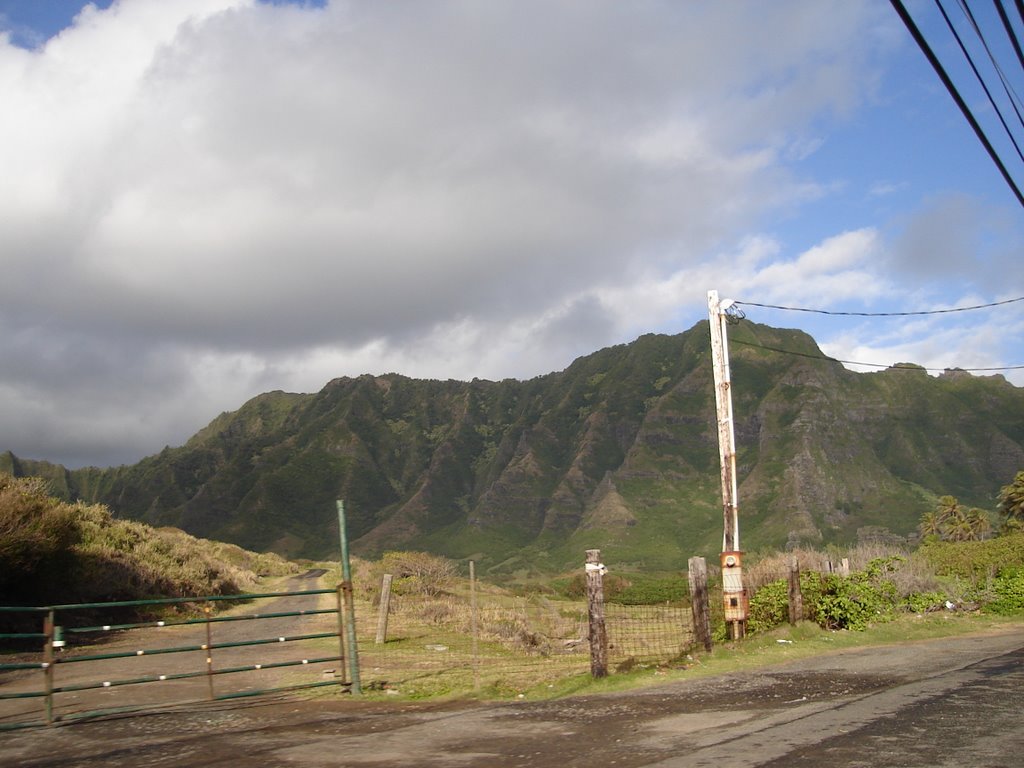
[951, 702]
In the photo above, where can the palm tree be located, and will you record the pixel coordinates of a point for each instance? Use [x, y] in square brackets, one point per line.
[959, 528]
[980, 524]
[948, 515]
[1011, 502]
[930, 525]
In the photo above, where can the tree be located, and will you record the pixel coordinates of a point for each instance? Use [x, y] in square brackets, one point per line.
[1011, 503]
[951, 522]
[930, 526]
[980, 525]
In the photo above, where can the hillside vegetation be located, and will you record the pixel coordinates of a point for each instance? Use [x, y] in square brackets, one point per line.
[55, 552]
[618, 451]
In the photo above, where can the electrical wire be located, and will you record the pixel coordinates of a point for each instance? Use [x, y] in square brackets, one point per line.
[1012, 35]
[879, 314]
[974, 68]
[872, 365]
[911, 26]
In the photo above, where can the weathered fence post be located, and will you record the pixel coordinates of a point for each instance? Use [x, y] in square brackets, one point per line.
[796, 597]
[699, 606]
[385, 609]
[844, 567]
[595, 610]
[474, 625]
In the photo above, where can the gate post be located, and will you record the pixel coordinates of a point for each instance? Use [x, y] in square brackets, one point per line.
[350, 609]
[48, 625]
[595, 610]
[699, 607]
[796, 597]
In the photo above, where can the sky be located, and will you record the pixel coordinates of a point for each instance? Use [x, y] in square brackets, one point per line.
[204, 200]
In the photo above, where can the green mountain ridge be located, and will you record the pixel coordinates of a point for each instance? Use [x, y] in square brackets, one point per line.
[618, 451]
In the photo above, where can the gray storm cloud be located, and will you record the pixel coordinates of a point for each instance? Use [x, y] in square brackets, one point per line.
[206, 199]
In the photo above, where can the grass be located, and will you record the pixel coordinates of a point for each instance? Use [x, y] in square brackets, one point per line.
[425, 660]
[805, 640]
[524, 638]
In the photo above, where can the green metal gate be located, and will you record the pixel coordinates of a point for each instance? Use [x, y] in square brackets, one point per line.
[106, 656]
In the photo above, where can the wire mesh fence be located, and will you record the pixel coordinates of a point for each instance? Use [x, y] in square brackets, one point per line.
[647, 633]
[440, 644]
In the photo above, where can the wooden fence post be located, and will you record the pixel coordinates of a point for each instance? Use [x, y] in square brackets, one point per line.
[475, 625]
[796, 597]
[385, 610]
[699, 606]
[595, 610]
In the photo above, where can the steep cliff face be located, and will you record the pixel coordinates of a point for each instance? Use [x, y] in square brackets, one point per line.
[618, 451]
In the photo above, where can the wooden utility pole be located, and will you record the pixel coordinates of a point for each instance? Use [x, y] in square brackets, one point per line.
[733, 593]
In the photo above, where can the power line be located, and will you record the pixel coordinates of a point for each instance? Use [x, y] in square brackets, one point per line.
[974, 68]
[944, 77]
[872, 365]
[1012, 35]
[879, 314]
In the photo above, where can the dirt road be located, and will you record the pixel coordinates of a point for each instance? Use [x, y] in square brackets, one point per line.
[950, 702]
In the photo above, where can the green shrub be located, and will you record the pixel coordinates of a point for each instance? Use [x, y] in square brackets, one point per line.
[1008, 590]
[651, 590]
[628, 589]
[975, 561]
[833, 602]
[922, 602]
[769, 606]
[859, 599]
[575, 588]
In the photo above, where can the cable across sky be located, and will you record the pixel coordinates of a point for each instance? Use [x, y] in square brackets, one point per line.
[874, 365]
[954, 89]
[879, 314]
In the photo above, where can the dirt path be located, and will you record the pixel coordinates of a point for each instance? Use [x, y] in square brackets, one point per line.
[949, 702]
[148, 664]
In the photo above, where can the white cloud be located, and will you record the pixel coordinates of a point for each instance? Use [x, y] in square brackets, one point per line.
[206, 199]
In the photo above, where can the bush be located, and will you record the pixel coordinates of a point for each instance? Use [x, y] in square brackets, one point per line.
[1008, 589]
[416, 573]
[630, 589]
[975, 561]
[55, 552]
[769, 607]
[922, 602]
[861, 598]
[833, 602]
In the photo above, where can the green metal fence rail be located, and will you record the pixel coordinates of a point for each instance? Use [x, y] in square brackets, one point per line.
[53, 633]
